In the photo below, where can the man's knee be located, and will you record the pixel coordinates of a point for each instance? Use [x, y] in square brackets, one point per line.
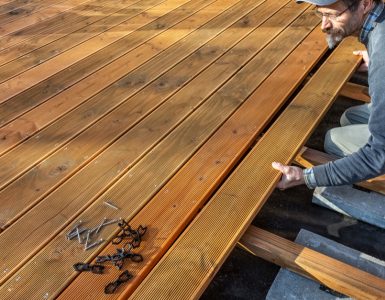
[331, 143]
[356, 115]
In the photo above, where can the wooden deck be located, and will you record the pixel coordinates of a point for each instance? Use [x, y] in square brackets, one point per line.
[147, 104]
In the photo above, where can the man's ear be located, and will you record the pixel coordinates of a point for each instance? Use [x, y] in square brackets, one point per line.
[367, 5]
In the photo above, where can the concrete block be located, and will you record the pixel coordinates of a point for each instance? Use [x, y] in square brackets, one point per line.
[365, 206]
[289, 285]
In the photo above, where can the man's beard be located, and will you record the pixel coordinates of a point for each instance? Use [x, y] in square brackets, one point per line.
[334, 37]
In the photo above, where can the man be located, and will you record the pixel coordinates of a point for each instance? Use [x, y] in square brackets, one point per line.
[360, 142]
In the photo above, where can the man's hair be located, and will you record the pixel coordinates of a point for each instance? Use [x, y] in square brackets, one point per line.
[353, 4]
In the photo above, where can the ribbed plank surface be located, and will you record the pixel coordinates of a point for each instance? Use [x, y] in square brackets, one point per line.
[186, 269]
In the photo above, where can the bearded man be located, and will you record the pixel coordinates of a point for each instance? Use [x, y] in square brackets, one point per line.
[360, 142]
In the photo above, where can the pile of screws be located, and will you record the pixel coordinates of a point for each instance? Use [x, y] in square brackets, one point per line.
[132, 238]
[85, 235]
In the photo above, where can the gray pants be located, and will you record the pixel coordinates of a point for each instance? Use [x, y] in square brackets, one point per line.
[353, 133]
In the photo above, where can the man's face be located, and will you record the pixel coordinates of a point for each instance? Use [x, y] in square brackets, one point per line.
[339, 22]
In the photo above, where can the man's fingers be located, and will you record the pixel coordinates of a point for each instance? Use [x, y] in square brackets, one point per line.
[278, 166]
[358, 52]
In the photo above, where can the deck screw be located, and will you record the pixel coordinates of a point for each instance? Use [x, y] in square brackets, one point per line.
[101, 225]
[78, 234]
[70, 237]
[109, 204]
[111, 222]
[74, 228]
[88, 237]
[94, 244]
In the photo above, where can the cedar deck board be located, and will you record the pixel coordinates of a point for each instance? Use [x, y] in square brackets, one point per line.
[136, 189]
[180, 199]
[233, 207]
[198, 114]
[91, 23]
[334, 274]
[108, 130]
[8, 14]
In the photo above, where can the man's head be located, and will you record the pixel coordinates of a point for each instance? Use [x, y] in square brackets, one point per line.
[341, 18]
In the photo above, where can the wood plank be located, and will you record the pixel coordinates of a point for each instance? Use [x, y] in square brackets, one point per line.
[311, 157]
[231, 210]
[43, 14]
[93, 135]
[180, 199]
[129, 193]
[356, 92]
[79, 200]
[334, 274]
[52, 50]
[92, 21]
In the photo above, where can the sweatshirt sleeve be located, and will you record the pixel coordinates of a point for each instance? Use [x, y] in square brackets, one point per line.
[369, 161]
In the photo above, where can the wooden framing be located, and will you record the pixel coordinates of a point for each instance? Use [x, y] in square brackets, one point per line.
[332, 273]
[356, 92]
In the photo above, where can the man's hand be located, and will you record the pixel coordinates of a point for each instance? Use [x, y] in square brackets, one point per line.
[291, 176]
[365, 64]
